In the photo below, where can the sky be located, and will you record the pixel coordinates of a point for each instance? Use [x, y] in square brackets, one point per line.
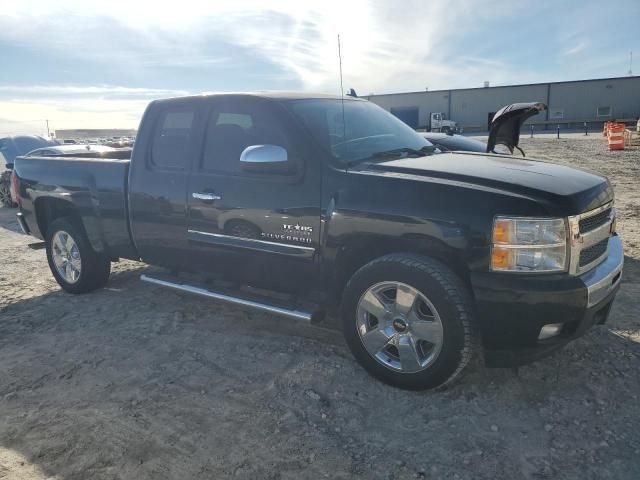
[88, 64]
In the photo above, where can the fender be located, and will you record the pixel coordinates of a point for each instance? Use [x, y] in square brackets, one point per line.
[84, 204]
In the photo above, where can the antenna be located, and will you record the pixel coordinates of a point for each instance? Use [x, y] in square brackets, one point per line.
[631, 63]
[344, 125]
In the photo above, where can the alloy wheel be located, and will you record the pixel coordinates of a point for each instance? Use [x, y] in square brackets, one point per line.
[66, 256]
[399, 327]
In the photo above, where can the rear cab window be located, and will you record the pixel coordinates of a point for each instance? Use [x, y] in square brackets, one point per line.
[172, 138]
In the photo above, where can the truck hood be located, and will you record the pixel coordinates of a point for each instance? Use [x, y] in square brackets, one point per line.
[569, 189]
[506, 123]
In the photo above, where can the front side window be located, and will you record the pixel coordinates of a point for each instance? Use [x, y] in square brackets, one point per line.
[360, 132]
[172, 138]
[234, 126]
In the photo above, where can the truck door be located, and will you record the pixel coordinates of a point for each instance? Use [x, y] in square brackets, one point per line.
[166, 145]
[435, 122]
[259, 226]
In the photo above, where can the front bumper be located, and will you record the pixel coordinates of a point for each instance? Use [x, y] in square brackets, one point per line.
[512, 309]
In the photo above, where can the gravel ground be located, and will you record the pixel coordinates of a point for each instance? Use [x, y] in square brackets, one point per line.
[137, 382]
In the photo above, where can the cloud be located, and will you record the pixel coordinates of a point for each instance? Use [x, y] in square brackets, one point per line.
[79, 91]
[29, 117]
[385, 46]
[63, 55]
[25, 108]
[576, 49]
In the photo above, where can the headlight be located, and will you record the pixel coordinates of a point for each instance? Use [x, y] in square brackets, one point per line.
[529, 245]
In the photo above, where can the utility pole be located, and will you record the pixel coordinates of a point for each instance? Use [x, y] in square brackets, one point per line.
[48, 133]
[631, 63]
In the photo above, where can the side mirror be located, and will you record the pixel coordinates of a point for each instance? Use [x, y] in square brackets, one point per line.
[265, 159]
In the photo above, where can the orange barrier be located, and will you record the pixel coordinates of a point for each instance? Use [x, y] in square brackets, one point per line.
[615, 136]
[605, 130]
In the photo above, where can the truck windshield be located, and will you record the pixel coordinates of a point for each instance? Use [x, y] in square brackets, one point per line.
[368, 133]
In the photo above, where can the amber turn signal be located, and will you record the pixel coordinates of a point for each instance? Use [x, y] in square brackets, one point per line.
[501, 231]
[500, 258]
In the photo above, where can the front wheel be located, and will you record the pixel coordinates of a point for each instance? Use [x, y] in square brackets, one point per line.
[75, 265]
[408, 321]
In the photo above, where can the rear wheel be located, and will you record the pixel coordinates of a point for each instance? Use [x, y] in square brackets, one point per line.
[408, 320]
[75, 265]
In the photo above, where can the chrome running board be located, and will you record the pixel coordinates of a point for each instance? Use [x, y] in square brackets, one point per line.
[224, 297]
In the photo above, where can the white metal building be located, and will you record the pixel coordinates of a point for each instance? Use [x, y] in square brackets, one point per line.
[570, 103]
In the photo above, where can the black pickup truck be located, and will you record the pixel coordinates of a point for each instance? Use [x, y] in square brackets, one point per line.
[307, 206]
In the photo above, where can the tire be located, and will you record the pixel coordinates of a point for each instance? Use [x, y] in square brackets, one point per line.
[89, 269]
[442, 312]
[445, 130]
[5, 190]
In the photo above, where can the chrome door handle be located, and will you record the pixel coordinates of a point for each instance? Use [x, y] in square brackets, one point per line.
[205, 196]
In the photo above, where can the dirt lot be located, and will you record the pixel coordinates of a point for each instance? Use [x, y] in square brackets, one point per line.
[141, 383]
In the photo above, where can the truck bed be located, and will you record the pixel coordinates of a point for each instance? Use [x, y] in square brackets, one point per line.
[96, 188]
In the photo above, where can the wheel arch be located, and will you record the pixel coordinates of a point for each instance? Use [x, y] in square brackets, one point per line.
[358, 252]
[48, 209]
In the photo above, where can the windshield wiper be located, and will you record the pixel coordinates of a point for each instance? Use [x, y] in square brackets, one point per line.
[395, 153]
[404, 151]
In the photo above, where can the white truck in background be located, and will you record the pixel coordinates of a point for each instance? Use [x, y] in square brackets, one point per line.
[438, 122]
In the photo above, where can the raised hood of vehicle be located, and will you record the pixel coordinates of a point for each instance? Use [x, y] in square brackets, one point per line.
[506, 123]
[574, 189]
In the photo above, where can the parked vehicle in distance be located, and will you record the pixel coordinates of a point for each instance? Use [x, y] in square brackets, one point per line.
[69, 141]
[10, 148]
[306, 206]
[449, 142]
[508, 119]
[438, 122]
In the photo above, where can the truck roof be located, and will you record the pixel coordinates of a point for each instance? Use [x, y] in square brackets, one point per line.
[279, 95]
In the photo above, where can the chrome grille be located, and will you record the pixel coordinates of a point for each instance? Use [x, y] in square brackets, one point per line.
[597, 220]
[589, 240]
[593, 252]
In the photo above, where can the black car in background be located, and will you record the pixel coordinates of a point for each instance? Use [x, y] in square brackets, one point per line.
[10, 148]
[504, 132]
[449, 142]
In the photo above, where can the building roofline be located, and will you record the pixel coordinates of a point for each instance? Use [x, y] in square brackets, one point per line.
[503, 86]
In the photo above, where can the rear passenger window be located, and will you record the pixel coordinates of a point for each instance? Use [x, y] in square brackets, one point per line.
[171, 139]
[234, 127]
[243, 120]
